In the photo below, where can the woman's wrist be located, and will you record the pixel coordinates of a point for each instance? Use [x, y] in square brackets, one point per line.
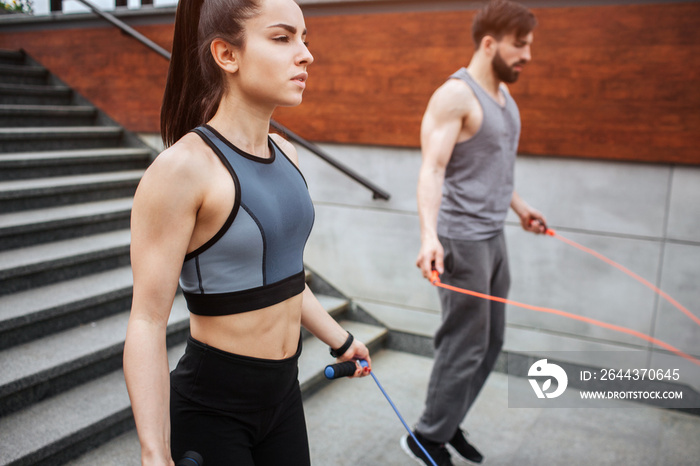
[338, 352]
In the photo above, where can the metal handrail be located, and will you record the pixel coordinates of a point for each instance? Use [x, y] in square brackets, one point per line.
[127, 29]
[377, 192]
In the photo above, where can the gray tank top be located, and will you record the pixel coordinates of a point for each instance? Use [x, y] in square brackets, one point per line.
[478, 184]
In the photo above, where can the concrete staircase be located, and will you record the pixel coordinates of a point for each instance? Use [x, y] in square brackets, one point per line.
[67, 177]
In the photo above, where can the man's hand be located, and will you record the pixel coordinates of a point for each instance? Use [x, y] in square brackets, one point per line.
[533, 221]
[431, 252]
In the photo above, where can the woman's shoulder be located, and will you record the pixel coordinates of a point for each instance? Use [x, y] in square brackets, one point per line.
[187, 163]
[186, 157]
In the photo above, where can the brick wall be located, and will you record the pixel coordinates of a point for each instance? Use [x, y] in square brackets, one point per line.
[610, 82]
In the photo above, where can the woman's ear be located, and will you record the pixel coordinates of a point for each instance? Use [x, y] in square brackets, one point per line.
[225, 55]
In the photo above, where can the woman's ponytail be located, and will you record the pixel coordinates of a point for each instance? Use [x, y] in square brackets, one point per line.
[195, 84]
[178, 113]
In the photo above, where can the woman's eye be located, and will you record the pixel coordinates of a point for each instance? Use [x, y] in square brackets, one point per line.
[281, 38]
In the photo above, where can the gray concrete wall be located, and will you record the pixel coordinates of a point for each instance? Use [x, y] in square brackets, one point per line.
[645, 217]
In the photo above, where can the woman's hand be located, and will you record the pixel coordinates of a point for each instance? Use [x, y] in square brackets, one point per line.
[357, 352]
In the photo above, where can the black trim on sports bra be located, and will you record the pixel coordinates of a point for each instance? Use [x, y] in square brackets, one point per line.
[236, 201]
[235, 302]
[244, 153]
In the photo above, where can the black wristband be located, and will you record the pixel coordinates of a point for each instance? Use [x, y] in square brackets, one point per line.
[336, 353]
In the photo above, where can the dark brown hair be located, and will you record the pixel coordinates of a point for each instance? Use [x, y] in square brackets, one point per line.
[502, 17]
[195, 82]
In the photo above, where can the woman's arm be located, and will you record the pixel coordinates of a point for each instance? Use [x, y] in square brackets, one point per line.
[162, 221]
[317, 321]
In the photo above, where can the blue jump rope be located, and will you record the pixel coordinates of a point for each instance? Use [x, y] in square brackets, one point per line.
[344, 369]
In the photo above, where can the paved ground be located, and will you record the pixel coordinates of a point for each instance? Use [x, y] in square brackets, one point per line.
[351, 424]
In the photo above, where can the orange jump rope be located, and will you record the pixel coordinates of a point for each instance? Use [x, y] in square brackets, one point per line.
[435, 280]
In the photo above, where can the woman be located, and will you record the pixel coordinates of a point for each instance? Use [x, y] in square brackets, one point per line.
[225, 210]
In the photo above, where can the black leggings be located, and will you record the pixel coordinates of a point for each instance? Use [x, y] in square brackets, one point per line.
[237, 410]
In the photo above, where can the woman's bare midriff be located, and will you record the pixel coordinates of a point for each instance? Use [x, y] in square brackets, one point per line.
[268, 333]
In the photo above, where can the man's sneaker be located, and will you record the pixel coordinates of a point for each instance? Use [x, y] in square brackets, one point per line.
[437, 451]
[465, 449]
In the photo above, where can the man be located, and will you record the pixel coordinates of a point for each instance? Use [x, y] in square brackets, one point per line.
[469, 139]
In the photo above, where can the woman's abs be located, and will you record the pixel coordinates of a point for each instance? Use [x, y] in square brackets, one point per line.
[268, 333]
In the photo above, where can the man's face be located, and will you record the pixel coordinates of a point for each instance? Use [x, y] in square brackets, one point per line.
[512, 54]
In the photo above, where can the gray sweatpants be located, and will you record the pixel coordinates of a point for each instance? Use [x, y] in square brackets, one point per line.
[470, 336]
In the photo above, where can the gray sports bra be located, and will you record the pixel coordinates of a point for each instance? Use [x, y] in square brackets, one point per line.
[256, 259]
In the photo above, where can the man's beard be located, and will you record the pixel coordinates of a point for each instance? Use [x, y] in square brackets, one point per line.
[504, 72]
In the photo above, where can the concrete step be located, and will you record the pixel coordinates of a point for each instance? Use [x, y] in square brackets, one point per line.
[18, 195]
[75, 421]
[24, 165]
[31, 267]
[123, 450]
[53, 364]
[46, 115]
[26, 94]
[59, 138]
[23, 74]
[11, 57]
[36, 313]
[32, 227]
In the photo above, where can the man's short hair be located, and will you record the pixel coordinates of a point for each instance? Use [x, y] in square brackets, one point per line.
[500, 18]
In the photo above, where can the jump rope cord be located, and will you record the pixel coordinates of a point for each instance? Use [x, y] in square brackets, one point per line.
[347, 368]
[660, 292]
[435, 280]
[408, 429]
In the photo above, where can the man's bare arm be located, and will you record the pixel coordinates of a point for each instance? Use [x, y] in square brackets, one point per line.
[443, 121]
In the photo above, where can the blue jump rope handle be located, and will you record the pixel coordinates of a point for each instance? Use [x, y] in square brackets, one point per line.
[342, 369]
[191, 458]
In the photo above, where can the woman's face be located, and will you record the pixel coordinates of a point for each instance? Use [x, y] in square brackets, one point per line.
[272, 64]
